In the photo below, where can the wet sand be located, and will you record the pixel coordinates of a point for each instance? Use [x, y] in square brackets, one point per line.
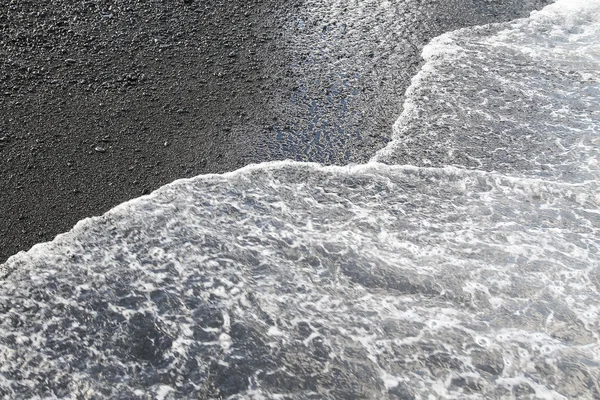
[103, 101]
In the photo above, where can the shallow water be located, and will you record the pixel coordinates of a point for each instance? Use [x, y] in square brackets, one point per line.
[351, 62]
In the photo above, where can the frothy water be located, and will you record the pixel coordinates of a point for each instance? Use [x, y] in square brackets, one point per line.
[472, 273]
[519, 98]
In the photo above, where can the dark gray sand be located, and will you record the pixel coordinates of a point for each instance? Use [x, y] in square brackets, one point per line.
[102, 101]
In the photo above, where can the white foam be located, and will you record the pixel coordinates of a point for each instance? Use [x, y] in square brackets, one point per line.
[519, 98]
[396, 262]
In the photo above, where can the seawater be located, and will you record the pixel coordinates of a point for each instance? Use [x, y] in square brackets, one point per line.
[462, 262]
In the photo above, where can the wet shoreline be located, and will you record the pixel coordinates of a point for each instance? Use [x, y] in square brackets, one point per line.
[104, 101]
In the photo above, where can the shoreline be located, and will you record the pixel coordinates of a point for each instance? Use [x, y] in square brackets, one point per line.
[101, 105]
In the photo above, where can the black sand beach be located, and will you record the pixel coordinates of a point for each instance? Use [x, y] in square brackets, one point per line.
[102, 101]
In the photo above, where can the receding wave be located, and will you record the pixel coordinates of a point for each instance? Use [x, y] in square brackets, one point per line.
[518, 98]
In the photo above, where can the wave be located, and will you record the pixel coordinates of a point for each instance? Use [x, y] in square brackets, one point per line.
[518, 98]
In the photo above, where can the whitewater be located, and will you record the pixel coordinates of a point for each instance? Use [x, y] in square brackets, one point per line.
[462, 262]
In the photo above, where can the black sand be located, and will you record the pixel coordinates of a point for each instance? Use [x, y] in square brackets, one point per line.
[102, 101]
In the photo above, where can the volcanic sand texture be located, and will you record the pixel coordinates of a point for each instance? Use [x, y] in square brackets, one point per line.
[105, 100]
